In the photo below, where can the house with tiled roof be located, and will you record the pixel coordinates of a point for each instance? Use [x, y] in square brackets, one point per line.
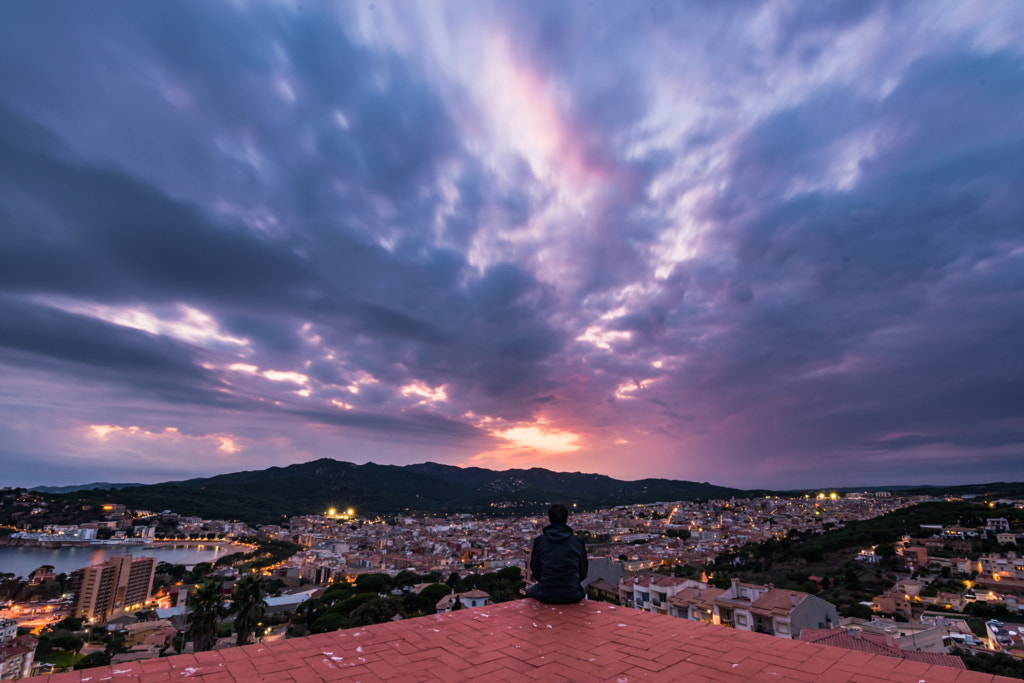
[602, 590]
[16, 656]
[650, 593]
[771, 610]
[696, 603]
[473, 598]
[1007, 638]
[887, 646]
[663, 587]
[929, 634]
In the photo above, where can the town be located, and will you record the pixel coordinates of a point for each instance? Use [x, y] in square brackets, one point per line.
[940, 593]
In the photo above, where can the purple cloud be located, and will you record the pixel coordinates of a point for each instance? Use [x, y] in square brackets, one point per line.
[750, 245]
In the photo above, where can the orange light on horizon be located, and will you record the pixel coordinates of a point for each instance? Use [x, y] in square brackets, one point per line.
[540, 438]
[526, 441]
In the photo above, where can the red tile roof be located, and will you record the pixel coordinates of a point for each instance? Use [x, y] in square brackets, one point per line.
[778, 601]
[527, 641]
[867, 642]
[703, 598]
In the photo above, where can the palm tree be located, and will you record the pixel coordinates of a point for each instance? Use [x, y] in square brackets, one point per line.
[249, 606]
[206, 609]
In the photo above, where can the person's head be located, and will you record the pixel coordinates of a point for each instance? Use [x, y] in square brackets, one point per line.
[558, 514]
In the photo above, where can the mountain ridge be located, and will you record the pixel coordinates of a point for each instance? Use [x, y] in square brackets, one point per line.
[263, 496]
[83, 487]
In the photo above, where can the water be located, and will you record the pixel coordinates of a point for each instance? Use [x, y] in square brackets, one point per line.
[22, 561]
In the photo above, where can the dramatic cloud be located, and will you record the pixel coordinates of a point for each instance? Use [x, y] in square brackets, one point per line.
[775, 245]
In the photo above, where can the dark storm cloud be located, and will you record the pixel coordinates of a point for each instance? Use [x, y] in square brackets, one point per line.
[756, 234]
[976, 441]
[81, 345]
[418, 426]
[904, 276]
[75, 229]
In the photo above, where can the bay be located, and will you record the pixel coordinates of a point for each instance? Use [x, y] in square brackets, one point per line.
[21, 561]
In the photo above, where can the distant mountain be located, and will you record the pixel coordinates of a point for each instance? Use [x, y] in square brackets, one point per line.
[264, 496]
[80, 487]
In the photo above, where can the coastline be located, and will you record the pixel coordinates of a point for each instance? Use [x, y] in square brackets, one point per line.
[24, 558]
[35, 543]
[191, 542]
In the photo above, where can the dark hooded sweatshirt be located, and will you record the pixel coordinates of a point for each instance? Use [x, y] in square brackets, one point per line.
[558, 563]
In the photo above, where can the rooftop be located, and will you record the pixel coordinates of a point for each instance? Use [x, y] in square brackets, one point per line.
[527, 641]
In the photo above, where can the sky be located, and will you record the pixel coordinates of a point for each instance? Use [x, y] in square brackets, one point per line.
[760, 244]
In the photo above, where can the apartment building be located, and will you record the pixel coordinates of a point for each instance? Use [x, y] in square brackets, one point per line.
[8, 629]
[114, 586]
[16, 658]
[750, 607]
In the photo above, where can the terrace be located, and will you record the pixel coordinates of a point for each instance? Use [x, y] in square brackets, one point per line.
[526, 641]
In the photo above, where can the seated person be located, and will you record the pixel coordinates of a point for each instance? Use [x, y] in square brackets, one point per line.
[558, 562]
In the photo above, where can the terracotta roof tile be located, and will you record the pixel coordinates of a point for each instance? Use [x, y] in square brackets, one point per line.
[866, 642]
[703, 598]
[778, 601]
[527, 641]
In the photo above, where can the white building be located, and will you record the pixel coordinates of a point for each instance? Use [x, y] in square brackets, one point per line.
[8, 629]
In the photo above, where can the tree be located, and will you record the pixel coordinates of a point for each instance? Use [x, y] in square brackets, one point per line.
[249, 598]
[200, 570]
[66, 640]
[406, 578]
[431, 595]
[69, 623]
[331, 621]
[206, 609]
[886, 551]
[339, 591]
[373, 583]
[376, 611]
[856, 610]
[720, 581]
[115, 646]
[511, 574]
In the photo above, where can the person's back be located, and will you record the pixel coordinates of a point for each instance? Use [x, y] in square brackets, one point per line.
[558, 562]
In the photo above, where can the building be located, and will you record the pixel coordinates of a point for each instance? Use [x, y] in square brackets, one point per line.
[997, 524]
[8, 629]
[884, 645]
[915, 557]
[743, 606]
[1000, 566]
[16, 658]
[777, 612]
[651, 593]
[1006, 538]
[1005, 637]
[473, 598]
[114, 586]
[696, 603]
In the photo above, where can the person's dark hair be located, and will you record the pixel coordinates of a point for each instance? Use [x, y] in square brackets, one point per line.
[558, 514]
